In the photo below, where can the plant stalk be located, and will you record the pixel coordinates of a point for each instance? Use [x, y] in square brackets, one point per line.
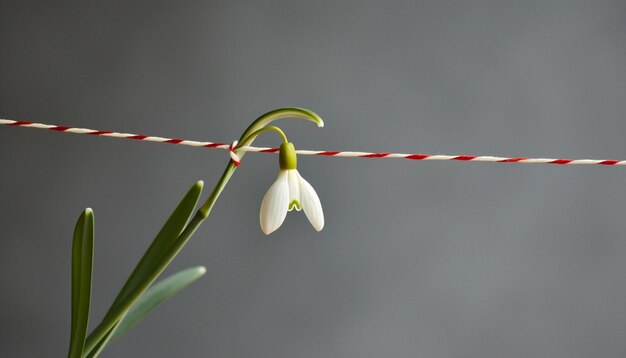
[101, 330]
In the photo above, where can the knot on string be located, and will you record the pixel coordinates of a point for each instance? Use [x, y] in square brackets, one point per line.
[233, 156]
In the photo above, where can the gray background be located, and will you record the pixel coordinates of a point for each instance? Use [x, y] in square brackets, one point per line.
[426, 259]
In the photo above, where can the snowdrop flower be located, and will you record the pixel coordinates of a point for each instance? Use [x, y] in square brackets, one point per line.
[289, 191]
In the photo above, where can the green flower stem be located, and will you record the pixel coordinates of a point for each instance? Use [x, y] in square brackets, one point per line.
[195, 222]
[259, 126]
[249, 139]
[267, 118]
[205, 210]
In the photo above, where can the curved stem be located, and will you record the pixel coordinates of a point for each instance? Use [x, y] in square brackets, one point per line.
[259, 126]
[249, 139]
[281, 113]
[289, 112]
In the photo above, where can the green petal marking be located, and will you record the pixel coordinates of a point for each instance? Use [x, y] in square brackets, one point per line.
[295, 204]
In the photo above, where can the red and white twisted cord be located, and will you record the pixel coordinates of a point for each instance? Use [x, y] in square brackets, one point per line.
[346, 154]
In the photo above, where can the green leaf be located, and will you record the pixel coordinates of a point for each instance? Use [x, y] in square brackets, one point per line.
[149, 301]
[162, 243]
[82, 263]
[103, 343]
[156, 295]
[159, 254]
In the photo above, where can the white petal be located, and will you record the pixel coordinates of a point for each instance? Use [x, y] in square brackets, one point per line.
[311, 204]
[275, 204]
[294, 190]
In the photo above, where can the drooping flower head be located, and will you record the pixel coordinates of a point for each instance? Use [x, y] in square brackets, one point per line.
[289, 191]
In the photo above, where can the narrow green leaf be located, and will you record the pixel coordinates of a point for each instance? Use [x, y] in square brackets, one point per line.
[162, 242]
[82, 263]
[150, 266]
[156, 295]
[149, 301]
[95, 352]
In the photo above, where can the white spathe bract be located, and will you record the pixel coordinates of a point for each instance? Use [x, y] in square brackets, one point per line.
[290, 191]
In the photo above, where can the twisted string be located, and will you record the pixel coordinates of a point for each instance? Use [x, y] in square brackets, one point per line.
[233, 156]
[345, 154]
